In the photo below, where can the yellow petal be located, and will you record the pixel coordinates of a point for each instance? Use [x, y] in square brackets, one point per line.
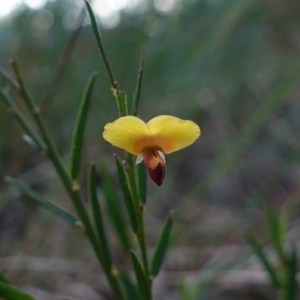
[171, 134]
[129, 133]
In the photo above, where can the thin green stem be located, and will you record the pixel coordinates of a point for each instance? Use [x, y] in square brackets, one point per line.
[140, 208]
[71, 188]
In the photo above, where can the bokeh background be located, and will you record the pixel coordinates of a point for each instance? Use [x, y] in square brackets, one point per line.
[231, 66]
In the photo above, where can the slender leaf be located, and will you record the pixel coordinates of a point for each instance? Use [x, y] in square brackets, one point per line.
[22, 121]
[127, 196]
[10, 292]
[140, 276]
[3, 277]
[142, 182]
[130, 287]
[114, 209]
[93, 21]
[14, 84]
[99, 42]
[137, 91]
[291, 284]
[264, 260]
[275, 232]
[161, 246]
[110, 270]
[78, 135]
[54, 208]
[98, 219]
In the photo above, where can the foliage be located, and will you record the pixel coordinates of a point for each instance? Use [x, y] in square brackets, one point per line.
[232, 66]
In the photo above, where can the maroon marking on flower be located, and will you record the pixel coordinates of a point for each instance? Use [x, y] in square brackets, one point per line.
[158, 174]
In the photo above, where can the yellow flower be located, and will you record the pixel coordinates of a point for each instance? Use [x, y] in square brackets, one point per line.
[163, 134]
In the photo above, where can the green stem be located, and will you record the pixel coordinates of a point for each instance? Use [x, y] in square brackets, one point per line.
[140, 208]
[72, 189]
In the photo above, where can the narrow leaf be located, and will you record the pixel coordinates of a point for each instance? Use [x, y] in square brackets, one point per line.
[3, 277]
[137, 91]
[78, 135]
[291, 284]
[14, 84]
[98, 219]
[130, 288]
[54, 208]
[275, 232]
[142, 182]
[127, 196]
[264, 260]
[93, 21]
[161, 246]
[99, 42]
[22, 121]
[140, 276]
[114, 209]
[10, 292]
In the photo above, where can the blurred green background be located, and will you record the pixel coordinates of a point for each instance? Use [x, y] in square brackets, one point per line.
[231, 66]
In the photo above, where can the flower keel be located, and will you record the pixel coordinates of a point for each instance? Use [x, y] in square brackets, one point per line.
[158, 174]
[155, 163]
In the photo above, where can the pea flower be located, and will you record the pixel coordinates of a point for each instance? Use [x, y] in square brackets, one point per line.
[162, 134]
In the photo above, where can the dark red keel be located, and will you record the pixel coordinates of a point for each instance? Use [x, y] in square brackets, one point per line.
[158, 174]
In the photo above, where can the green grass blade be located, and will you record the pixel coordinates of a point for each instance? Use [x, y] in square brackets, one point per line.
[3, 277]
[54, 208]
[127, 196]
[264, 260]
[142, 182]
[161, 246]
[140, 276]
[130, 288]
[275, 232]
[98, 219]
[78, 135]
[114, 209]
[137, 91]
[291, 284]
[10, 292]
